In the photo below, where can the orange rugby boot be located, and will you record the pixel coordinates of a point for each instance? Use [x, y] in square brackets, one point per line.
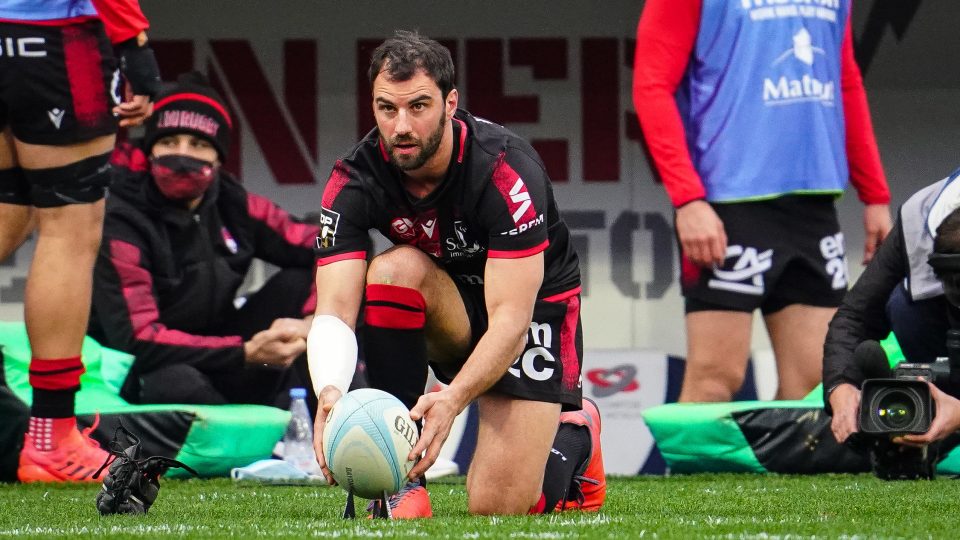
[589, 488]
[75, 459]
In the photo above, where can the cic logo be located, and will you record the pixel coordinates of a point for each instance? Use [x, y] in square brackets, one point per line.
[607, 382]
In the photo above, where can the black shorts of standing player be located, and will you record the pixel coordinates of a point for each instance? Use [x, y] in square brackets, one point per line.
[780, 252]
[549, 367]
[58, 86]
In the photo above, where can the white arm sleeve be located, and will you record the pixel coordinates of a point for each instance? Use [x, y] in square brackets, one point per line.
[331, 353]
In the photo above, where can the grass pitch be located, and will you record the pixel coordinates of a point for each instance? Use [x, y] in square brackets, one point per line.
[697, 506]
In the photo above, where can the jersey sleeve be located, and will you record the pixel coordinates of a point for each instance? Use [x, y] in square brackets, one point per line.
[344, 223]
[666, 35]
[122, 19]
[862, 315]
[514, 206]
[863, 156]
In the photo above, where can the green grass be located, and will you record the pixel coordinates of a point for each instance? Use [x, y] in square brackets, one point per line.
[698, 506]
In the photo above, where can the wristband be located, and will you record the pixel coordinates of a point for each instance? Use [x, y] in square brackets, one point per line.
[139, 66]
[331, 353]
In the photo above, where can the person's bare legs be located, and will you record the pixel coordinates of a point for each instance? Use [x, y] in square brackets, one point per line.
[718, 345]
[60, 281]
[513, 443]
[797, 333]
[56, 311]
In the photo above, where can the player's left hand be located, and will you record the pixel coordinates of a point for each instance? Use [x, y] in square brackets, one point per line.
[945, 422]
[134, 110]
[438, 411]
[876, 226]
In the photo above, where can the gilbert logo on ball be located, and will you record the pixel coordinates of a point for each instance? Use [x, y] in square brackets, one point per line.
[366, 442]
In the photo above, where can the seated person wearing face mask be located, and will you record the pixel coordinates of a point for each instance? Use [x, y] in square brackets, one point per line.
[912, 287]
[179, 237]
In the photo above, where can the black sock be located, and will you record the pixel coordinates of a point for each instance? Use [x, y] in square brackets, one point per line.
[394, 345]
[571, 449]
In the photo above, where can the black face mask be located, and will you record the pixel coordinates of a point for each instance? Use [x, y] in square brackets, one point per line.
[182, 178]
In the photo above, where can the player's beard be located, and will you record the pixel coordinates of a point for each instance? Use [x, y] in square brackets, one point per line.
[427, 150]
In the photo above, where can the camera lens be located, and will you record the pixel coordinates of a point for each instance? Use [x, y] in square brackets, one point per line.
[896, 410]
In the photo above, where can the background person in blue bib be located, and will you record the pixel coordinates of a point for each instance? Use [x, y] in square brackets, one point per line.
[755, 116]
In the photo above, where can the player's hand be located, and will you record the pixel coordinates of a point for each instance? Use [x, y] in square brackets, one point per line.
[134, 110]
[845, 402]
[702, 235]
[139, 67]
[438, 411]
[945, 422]
[275, 347]
[876, 226]
[325, 401]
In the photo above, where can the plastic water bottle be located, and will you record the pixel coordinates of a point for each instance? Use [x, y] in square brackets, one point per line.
[298, 439]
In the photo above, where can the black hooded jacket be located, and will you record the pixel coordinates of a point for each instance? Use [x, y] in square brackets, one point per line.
[166, 276]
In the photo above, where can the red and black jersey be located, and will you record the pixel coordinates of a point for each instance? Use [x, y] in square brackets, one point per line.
[496, 201]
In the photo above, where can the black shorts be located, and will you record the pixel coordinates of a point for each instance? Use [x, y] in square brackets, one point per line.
[780, 252]
[58, 84]
[549, 367]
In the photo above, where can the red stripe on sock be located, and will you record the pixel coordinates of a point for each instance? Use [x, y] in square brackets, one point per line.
[56, 373]
[396, 295]
[405, 313]
[390, 317]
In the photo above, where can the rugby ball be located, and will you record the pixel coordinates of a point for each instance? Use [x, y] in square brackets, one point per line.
[366, 441]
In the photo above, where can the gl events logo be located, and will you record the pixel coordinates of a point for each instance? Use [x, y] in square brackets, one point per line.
[607, 382]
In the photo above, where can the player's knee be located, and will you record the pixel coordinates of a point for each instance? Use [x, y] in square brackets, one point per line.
[403, 266]
[492, 500]
[81, 182]
[711, 382]
[501, 492]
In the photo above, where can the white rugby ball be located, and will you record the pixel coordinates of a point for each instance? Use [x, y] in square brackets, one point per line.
[366, 442]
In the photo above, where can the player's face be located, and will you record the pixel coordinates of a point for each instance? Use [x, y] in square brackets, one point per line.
[184, 144]
[411, 117]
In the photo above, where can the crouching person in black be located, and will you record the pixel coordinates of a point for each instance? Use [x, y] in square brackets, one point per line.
[179, 238]
[911, 287]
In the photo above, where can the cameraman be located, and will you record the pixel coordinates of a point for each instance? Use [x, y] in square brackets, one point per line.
[900, 291]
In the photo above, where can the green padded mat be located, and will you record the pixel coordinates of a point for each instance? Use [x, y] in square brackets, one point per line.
[761, 436]
[211, 439]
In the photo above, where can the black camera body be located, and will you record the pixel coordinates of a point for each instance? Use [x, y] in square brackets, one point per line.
[901, 404]
[897, 402]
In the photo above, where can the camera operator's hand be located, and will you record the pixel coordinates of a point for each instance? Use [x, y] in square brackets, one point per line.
[845, 401]
[945, 421]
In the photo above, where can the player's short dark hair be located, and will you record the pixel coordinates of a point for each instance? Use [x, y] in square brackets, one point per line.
[947, 239]
[406, 52]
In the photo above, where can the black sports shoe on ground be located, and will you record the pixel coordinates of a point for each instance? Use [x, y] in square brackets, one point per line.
[132, 482]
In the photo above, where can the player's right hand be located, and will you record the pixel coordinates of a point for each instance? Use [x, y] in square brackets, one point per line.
[701, 232]
[325, 401]
[845, 402]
